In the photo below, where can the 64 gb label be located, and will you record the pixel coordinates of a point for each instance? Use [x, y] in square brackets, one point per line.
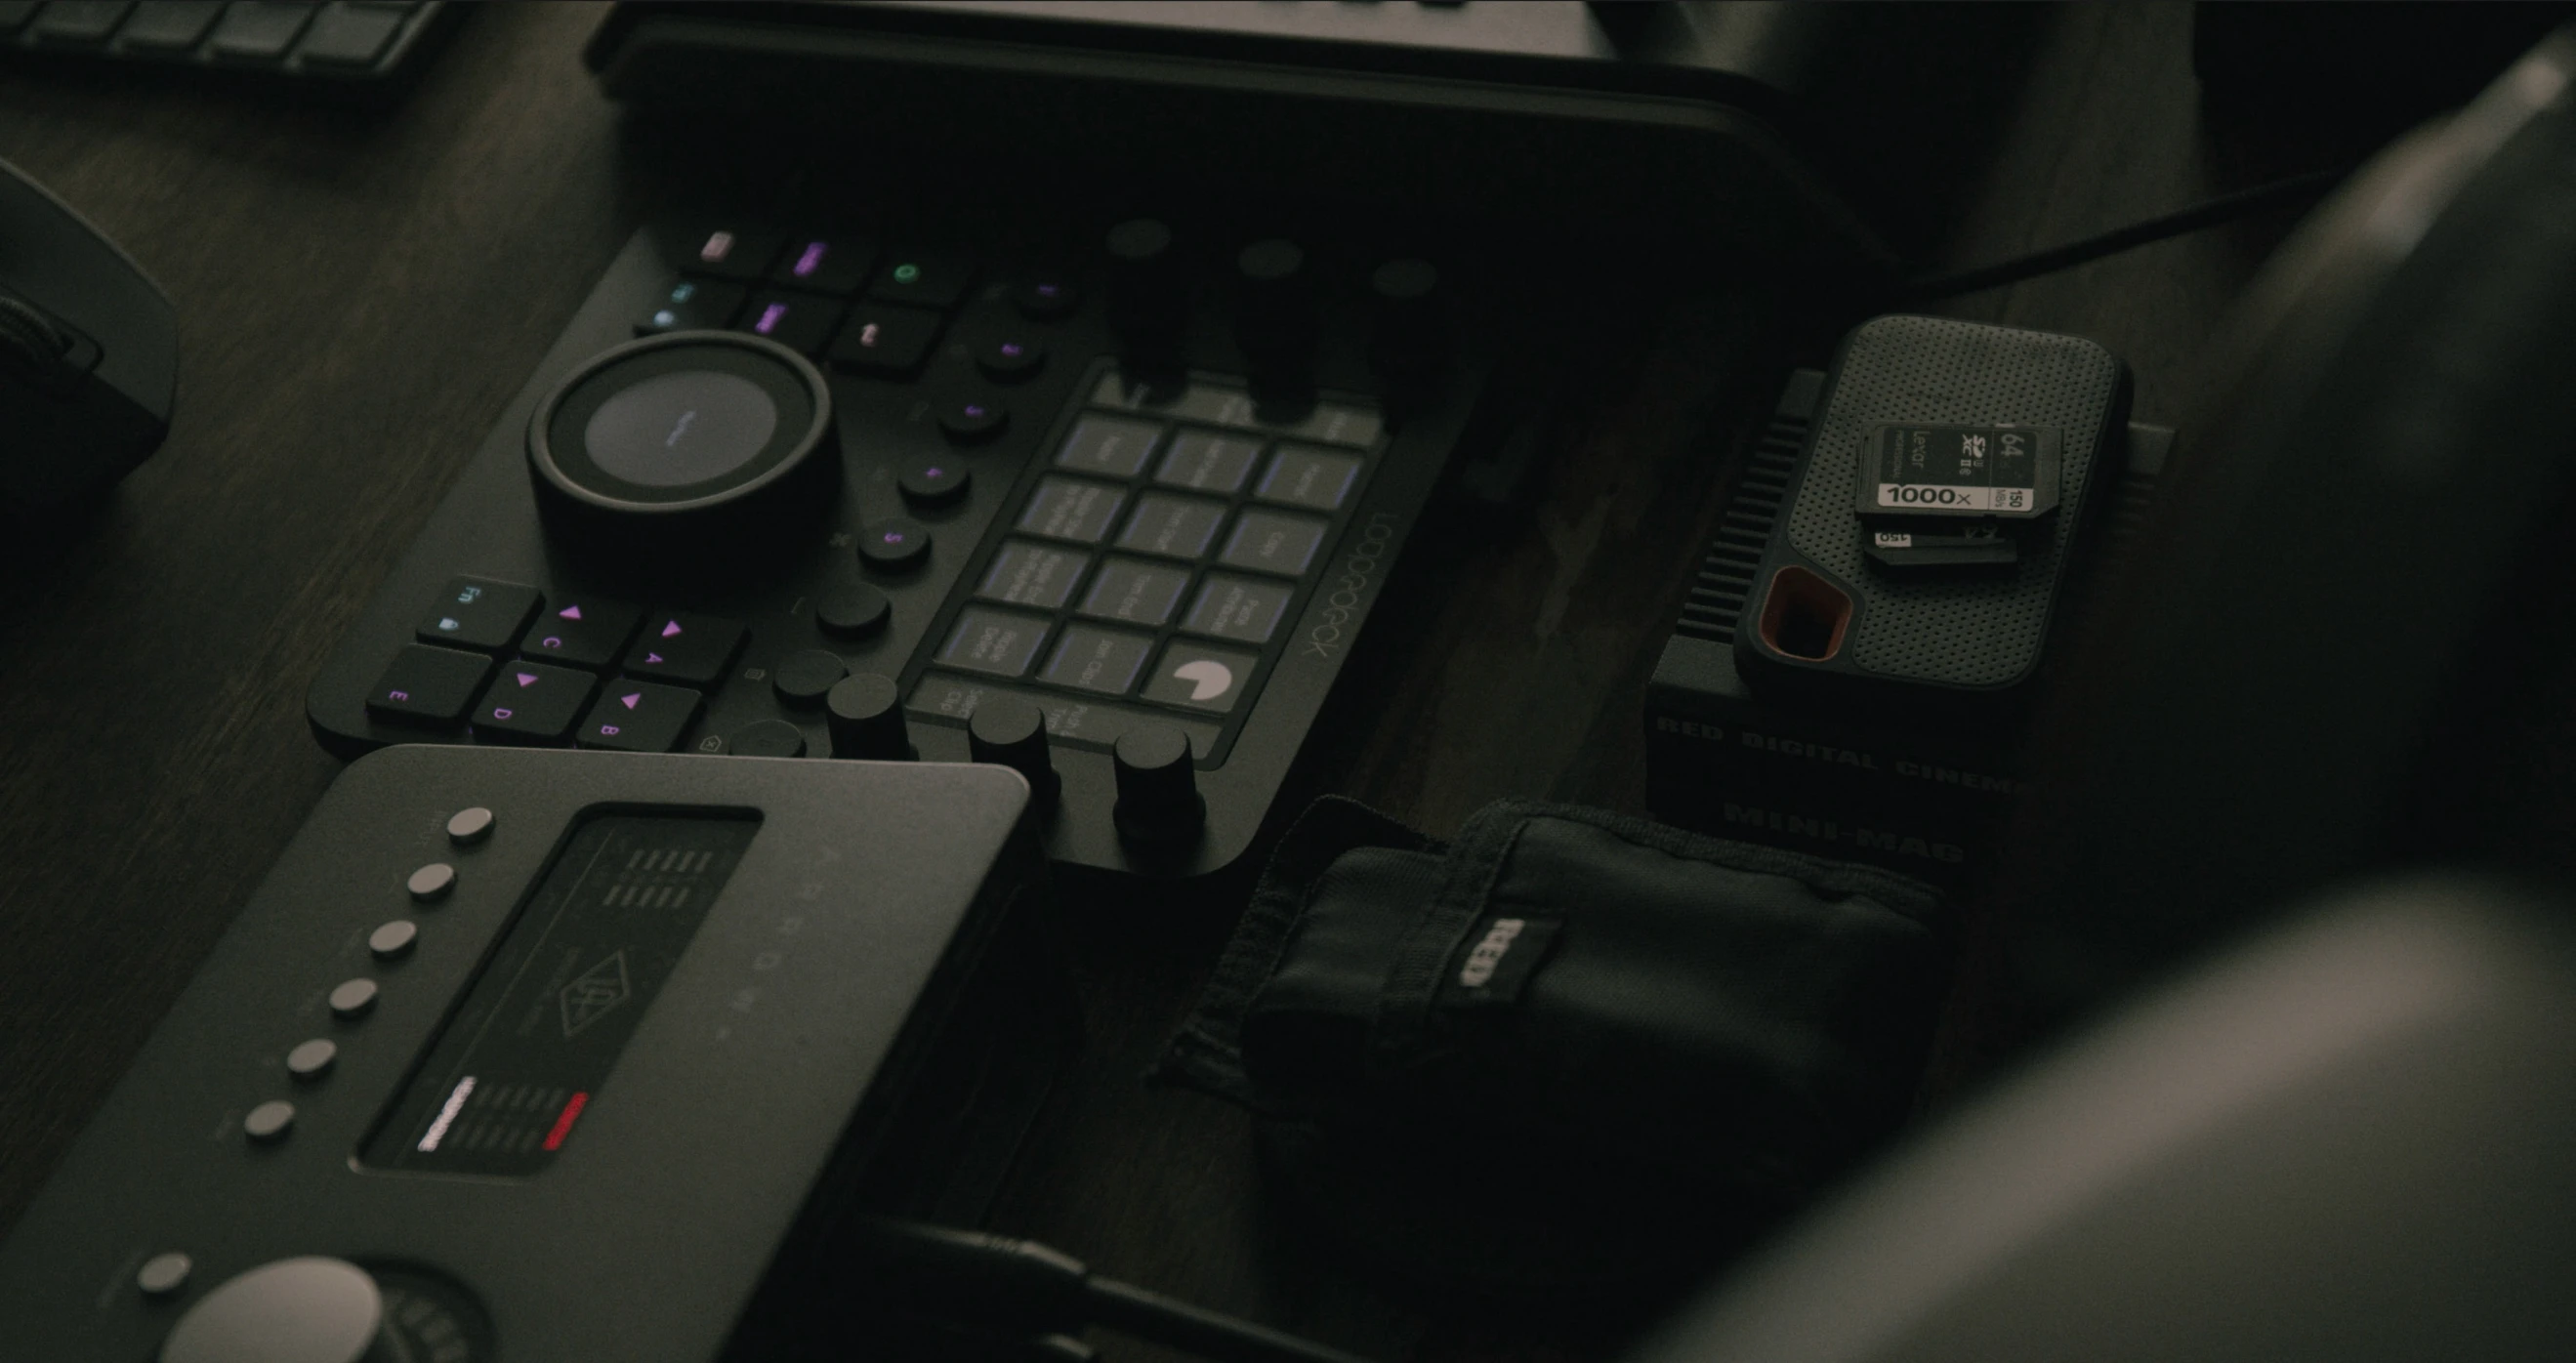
[1927, 470]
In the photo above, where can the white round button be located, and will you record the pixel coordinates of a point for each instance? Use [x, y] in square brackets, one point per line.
[393, 939]
[352, 998]
[312, 1059]
[432, 881]
[269, 1120]
[309, 1310]
[469, 826]
[163, 1274]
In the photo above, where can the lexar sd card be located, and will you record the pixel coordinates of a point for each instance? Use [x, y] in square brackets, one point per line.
[1935, 495]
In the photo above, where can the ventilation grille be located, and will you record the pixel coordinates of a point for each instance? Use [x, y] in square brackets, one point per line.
[1726, 576]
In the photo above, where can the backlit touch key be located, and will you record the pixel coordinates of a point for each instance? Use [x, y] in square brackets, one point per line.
[425, 685]
[479, 613]
[532, 703]
[588, 632]
[633, 716]
[689, 649]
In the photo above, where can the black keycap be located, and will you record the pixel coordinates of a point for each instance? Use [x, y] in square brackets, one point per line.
[476, 612]
[1135, 591]
[258, 30]
[532, 703]
[1244, 609]
[826, 261]
[923, 279]
[807, 675]
[851, 609]
[80, 21]
[972, 420]
[634, 716]
[689, 649]
[1201, 676]
[725, 247]
[1027, 573]
[692, 305]
[894, 544]
[349, 35]
[1114, 445]
[800, 321]
[933, 481]
[1010, 359]
[587, 632]
[885, 340]
[767, 738]
[1046, 298]
[428, 686]
[169, 25]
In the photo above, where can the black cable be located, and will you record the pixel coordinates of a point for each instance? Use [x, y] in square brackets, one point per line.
[982, 1280]
[2210, 213]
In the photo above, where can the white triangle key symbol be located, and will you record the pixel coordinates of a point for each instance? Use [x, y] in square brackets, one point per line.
[570, 612]
[629, 701]
[651, 658]
[670, 629]
[527, 679]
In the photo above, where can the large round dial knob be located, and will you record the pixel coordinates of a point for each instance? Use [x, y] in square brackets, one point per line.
[1159, 804]
[686, 457]
[308, 1310]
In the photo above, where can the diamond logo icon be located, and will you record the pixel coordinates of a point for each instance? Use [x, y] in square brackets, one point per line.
[594, 993]
[630, 701]
[570, 612]
[670, 629]
[527, 678]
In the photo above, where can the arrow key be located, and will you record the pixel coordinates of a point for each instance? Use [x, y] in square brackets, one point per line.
[634, 716]
[531, 703]
[692, 650]
[583, 632]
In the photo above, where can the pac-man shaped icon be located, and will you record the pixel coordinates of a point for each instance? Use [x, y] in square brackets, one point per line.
[1207, 677]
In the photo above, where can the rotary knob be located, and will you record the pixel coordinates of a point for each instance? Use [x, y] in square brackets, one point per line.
[1011, 732]
[1275, 322]
[307, 1310]
[865, 712]
[1159, 805]
[1149, 299]
[686, 457]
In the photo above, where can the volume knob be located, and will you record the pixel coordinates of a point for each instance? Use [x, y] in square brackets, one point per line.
[1159, 805]
[1011, 732]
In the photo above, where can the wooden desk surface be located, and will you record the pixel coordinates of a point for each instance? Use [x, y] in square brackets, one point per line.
[361, 293]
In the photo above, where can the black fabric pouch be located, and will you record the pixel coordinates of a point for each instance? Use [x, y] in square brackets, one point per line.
[1569, 1048]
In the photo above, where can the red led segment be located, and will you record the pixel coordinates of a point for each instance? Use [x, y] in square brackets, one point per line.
[564, 1120]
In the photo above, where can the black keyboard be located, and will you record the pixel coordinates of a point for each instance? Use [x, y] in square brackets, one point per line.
[1149, 501]
[343, 43]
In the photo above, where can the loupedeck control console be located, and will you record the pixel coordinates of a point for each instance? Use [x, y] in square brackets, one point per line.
[849, 490]
[537, 1056]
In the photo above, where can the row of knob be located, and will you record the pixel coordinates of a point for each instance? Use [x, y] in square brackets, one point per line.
[1159, 806]
[1276, 302]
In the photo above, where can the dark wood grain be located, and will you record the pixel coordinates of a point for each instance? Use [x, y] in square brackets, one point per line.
[360, 294]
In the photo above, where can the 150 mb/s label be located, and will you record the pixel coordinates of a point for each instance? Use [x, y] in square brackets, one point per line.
[1926, 470]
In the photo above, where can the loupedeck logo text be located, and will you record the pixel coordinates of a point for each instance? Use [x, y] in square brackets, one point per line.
[1342, 605]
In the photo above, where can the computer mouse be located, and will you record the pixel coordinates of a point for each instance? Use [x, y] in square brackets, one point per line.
[89, 354]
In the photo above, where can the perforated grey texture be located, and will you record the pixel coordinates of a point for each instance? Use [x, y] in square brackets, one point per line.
[1954, 631]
